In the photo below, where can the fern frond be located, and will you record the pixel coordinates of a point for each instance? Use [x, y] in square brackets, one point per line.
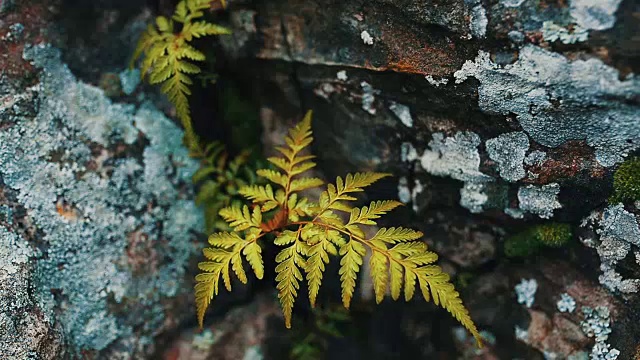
[202, 28]
[332, 197]
[366, 215]
[165, 51]
[305, 183]
[379, 275]
[396, 234]
[260, 195]
[241, 218]
[399, 261]
[205, 288]
[352, 254]
[253, 254]
[288, 276]
[315, 266]
[445, 295]
[224, 254]
[274, 176]
[298, 209]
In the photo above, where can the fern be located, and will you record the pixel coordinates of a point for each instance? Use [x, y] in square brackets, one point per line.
[310, 234]
[169, 56]
[219, 181]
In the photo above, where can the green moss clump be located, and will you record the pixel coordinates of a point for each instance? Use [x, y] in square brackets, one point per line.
[626, 181]
[530, 241]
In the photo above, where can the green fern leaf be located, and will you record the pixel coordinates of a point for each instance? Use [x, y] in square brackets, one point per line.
[393, 235]
[288, 277]
[352, 253]
[242, 218]
[379, 275]
[253, 253]
[366, 215]
[305, 183]
[315, 266]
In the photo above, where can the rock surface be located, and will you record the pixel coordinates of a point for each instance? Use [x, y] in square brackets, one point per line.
[494, 116]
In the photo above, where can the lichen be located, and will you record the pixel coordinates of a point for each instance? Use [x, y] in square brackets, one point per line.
[366, 37]
[526, 291]
[403, 113]
[539, 200]
[436, 82]
[456, 157]
[626, 182]
[556, 100]
[85, 257]
[368, 97]
[480, 196]
[552, 32]
[619, 231]
[594, 14]
[129, 80]
[535, 157]
[511, 3]
[478, 20]
[508, 150]
[597, 324]
[408, 194]
[566, 303]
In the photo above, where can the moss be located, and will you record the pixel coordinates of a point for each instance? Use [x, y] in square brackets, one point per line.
[554, 234]
[530, 241]
[626, 181]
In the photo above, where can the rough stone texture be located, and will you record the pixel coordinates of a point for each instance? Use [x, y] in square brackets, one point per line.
[525, 122]
[494, 115]
[103, 187]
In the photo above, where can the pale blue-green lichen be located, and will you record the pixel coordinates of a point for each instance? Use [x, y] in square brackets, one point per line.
[85, 258]
[539, 200]
[535, 157]
[456, 157]
[597, 325]
[508, 151]
[556, 100]
[402, 112]
[526, 291]
[566, 303]
[478, 20]
[619, 232]
[129, 79]
[480, 196]
[552, 32]
[594, 14]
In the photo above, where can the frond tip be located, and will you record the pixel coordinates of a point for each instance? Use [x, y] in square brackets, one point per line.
[310, 234]
[168, 55]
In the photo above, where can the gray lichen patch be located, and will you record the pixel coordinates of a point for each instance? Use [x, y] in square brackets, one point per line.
[556, 100]
[552, 32]
[619, 233]
[539, 200]
[508, 150]
[456, 157]
[535, 157]
[478, 20]
[403, 113]
[480, 196]
[90, 257]
[594, 14]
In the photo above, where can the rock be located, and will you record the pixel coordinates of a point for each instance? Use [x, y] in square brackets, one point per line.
[240, 334]
[105, 187]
